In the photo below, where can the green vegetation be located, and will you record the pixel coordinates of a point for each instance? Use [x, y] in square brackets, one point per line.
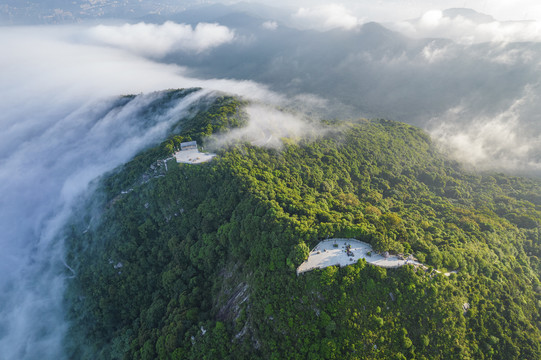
[200, 263]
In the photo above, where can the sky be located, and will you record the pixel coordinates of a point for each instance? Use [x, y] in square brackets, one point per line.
[477, 93]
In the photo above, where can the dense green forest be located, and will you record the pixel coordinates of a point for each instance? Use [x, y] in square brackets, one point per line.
[198, 262]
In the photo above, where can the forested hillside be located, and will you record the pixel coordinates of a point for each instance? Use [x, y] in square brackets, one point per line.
[198, 262]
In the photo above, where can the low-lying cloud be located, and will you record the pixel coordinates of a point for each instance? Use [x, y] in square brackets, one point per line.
[326, 17]
[468, 27]
[43, 173]
[270, 25]
[267, 127]
[63, 126]
[397, 10]
[516, 21]
[501, 142]
[58, 63]
[159, 40]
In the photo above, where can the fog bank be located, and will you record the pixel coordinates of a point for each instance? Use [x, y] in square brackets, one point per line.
[63, 126]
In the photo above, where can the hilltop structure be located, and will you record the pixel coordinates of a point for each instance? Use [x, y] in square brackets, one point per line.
[188, 145]
[189, 154]
[343, 252]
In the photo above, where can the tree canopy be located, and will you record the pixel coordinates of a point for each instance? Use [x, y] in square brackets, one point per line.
[199, 262]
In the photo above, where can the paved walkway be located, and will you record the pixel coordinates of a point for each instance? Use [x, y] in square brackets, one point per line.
[333, 252]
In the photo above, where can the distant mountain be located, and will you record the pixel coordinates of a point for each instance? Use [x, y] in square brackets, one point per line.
[469, 14]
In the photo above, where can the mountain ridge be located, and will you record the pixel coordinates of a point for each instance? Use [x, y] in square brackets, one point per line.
[215, 247]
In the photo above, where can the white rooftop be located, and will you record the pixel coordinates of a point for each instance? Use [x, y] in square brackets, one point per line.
[326, 254]
[188, 145]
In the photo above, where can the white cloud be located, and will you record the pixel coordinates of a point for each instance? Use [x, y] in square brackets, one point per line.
[431, 21]
[60, 130]
[396, 10]
[468, 28]
[270, 25]
[267, 127]
[433, 53]
[512, 56]
[499, 142]
[159, 40]
[47, 62]
[325, 17]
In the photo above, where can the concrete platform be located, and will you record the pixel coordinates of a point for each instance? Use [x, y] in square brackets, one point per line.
[326, 254]
[192, 156]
